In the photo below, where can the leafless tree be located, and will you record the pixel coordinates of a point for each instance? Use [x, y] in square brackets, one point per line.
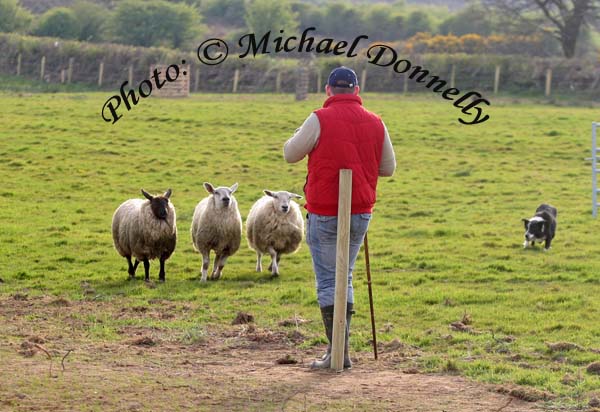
[564, 18]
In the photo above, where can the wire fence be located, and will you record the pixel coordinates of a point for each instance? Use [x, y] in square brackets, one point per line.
[106, 67]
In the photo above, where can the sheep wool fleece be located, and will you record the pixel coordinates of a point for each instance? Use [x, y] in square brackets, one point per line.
[267, 228]
[214, 229]
[138, 233]
[351, 138]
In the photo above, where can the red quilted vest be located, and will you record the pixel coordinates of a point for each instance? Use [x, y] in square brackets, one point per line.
[351, 138]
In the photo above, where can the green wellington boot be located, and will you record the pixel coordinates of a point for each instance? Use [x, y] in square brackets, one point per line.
[327, 315]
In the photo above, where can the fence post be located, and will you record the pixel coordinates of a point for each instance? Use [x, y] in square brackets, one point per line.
[452, 76]
[196, 79]
[130, 75]
[100, 73]
[548, 82]
[278, 82]
[319, 82]
[19, 64]
[405, 84]
[42, 67]
[236, 79]
[70, 70]
[302, 81]
[596, 80]
[62, 76]
[497, 79]
[363, 80]
[594, 171]
[341, 270]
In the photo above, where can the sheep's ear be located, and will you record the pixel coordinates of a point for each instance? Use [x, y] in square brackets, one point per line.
[268, 193]
[294, 195]
[168, 193]
[234, 187]
[147, 195]
[209, 188]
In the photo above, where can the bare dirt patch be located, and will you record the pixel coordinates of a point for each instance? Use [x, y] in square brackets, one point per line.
[563, 346]
[144, 341]
[526, 394]
[233, 368]
[594, 368]
[243, 318]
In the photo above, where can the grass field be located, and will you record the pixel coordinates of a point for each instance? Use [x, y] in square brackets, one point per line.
[445, 240]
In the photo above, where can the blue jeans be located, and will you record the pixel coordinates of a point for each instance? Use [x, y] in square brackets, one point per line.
[321, 236]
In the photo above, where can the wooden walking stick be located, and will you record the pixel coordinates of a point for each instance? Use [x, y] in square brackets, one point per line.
[368, 265]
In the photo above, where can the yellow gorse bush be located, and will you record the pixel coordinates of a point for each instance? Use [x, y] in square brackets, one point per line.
[472, 44]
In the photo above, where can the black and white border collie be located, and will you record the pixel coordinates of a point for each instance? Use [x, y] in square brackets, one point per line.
[541, 227]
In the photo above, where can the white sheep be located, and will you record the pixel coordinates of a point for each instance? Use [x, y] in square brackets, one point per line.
[145, 229]
[217, 225]
[274, 226]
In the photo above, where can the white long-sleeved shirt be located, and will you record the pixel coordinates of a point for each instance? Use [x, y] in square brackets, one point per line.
[306, 138]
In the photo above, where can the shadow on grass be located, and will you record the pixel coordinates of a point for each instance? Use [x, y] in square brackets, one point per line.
[182, 286]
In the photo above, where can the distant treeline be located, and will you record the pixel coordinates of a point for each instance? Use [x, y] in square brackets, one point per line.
[110, 64]
[162, 23]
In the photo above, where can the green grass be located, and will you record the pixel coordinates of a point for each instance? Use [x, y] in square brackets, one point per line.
[11, 83]
[445, 239]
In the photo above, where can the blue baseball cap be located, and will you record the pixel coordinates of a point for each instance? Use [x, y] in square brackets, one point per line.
[342, 77]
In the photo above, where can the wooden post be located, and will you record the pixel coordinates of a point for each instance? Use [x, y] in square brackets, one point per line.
[70, 70]
[596, 80]
[341, 270]
[100, 73]
[594, 171]
[363, 80]
[405, 85]
[497, 79]
[19, 64]
[319, 82]
[302, 81]
[236, 79]
[42, 67]
[278, 82]
[130, 75]
[62, 76]
[548, 82]
[197, 79]
[452, 76]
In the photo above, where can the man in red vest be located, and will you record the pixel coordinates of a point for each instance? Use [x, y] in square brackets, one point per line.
[340, 135]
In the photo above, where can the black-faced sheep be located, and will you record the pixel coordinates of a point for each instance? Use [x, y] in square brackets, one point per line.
[145, 230]
[217, 225]
[274, 226]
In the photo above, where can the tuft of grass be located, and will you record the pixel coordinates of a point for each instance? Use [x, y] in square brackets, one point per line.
[451, 367]
[462, 173]
[194, 335]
